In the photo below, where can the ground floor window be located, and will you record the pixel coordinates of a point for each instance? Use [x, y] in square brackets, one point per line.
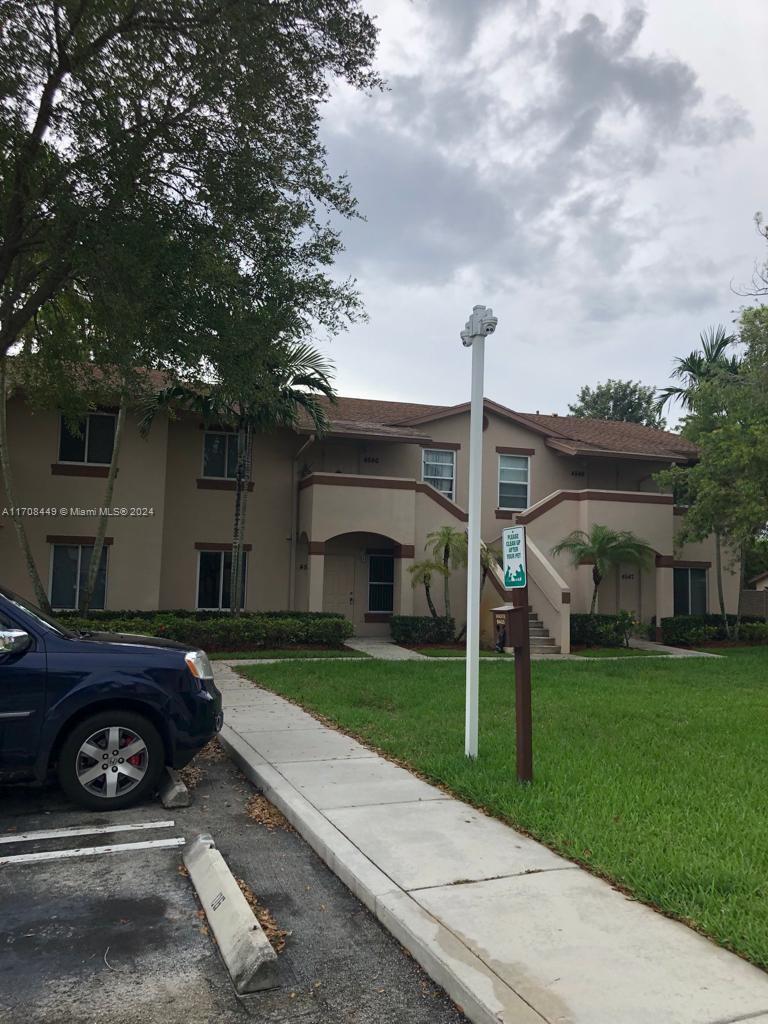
[381, 583]
[690, 591]
[69, 575]
[214, 578]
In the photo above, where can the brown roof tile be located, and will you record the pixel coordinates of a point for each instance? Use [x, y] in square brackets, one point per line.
[372, 415]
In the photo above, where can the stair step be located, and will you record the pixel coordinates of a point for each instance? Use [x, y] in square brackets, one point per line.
[542, 641]
[538, 631]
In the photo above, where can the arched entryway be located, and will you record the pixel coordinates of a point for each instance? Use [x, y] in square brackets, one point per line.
[364, 578]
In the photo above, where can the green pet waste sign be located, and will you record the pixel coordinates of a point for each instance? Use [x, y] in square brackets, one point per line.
[513, 551]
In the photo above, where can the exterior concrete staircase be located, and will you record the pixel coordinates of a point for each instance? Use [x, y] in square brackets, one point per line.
[541, 641]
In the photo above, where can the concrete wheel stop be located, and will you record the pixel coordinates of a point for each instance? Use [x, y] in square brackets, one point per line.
[245, 949]
[173, 791]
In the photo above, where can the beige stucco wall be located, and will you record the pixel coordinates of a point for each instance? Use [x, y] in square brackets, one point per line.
[201, 516]
[153, 560]
[133, 577]
[704, 551]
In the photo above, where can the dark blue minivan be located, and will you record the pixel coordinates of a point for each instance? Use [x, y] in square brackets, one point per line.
[106, 711]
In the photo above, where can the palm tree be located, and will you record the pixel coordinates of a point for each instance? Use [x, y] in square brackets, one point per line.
[694, 370]
[604, 548]
[421, 574]
[700, 366]
[448, 546]
[291, 382]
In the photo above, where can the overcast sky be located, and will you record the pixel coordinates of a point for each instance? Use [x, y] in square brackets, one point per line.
[588, 168]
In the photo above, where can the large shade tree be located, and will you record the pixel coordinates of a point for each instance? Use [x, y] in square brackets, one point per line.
[726, 490]
[159, 159]
[202, 115]
[627, 401]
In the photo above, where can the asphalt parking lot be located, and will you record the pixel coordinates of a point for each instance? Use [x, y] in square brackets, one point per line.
[121, 938]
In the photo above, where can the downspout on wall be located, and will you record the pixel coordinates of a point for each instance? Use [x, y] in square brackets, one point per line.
[295, 523]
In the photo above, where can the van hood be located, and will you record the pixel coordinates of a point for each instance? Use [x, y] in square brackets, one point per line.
[99, 639]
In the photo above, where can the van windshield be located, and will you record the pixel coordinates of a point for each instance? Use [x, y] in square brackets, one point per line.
[41, 616]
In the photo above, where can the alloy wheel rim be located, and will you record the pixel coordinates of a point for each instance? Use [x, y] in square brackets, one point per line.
[112, 762]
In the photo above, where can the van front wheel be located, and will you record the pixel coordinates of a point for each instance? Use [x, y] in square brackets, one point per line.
[111, 760]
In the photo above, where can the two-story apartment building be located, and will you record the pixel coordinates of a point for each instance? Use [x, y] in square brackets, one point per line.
[335, 522]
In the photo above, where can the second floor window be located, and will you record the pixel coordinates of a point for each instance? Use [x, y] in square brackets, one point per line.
[220, 455]
[95, 441]
[514, 472]
[439, 470]
[69, 575]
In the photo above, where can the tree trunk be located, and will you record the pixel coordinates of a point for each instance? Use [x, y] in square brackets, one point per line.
[242, 478]
[430, 602]
[447, 582]
[18, 524]
[596, 579]
[719, 575]
[86, 595]
[742, 581]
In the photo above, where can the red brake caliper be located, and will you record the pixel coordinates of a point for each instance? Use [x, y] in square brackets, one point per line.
[135, 760]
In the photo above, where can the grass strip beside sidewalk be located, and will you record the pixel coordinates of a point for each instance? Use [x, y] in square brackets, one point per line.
[652, 775]
[287, 653]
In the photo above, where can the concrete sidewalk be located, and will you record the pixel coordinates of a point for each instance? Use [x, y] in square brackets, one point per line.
[514, 933]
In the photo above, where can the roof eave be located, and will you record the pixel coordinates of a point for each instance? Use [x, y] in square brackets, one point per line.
[363, 435]
[611, 453]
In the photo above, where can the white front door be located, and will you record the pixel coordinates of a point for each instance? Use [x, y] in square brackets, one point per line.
[339, 591]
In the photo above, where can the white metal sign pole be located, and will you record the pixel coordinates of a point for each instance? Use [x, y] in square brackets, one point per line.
[480, 324]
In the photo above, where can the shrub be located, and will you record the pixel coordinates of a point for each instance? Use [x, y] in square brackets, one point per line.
[754, 632]
[224, 632]
[422, 629]
[692, 630]
[187, 613]
[601, 630]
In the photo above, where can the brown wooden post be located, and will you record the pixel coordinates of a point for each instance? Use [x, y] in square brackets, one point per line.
[523, 712]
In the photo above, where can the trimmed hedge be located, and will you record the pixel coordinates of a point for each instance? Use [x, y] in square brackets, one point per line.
[224, 632]
[692, 630]
[601, 630]
[187, 613]
[422, 629]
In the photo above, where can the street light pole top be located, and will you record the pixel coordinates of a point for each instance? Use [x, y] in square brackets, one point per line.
[481, 323]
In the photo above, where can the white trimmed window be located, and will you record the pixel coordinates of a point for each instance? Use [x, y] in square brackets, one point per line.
[214, 579]
[514, 476]
[220, 454]
[95, 442]
[69, 575]
[438, 468]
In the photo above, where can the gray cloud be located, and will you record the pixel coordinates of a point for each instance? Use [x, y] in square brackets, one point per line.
[457, 173]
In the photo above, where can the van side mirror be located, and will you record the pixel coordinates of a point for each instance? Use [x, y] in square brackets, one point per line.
[14, 640]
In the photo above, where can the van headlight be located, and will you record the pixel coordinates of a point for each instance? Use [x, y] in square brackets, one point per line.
[198, 664]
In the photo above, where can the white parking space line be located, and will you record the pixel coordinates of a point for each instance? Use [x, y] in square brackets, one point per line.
[90, 851]
[63, 833]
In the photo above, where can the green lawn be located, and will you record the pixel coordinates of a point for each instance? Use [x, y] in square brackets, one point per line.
[653, 775]
[615, 652]
[454, 652]
[289, 652]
